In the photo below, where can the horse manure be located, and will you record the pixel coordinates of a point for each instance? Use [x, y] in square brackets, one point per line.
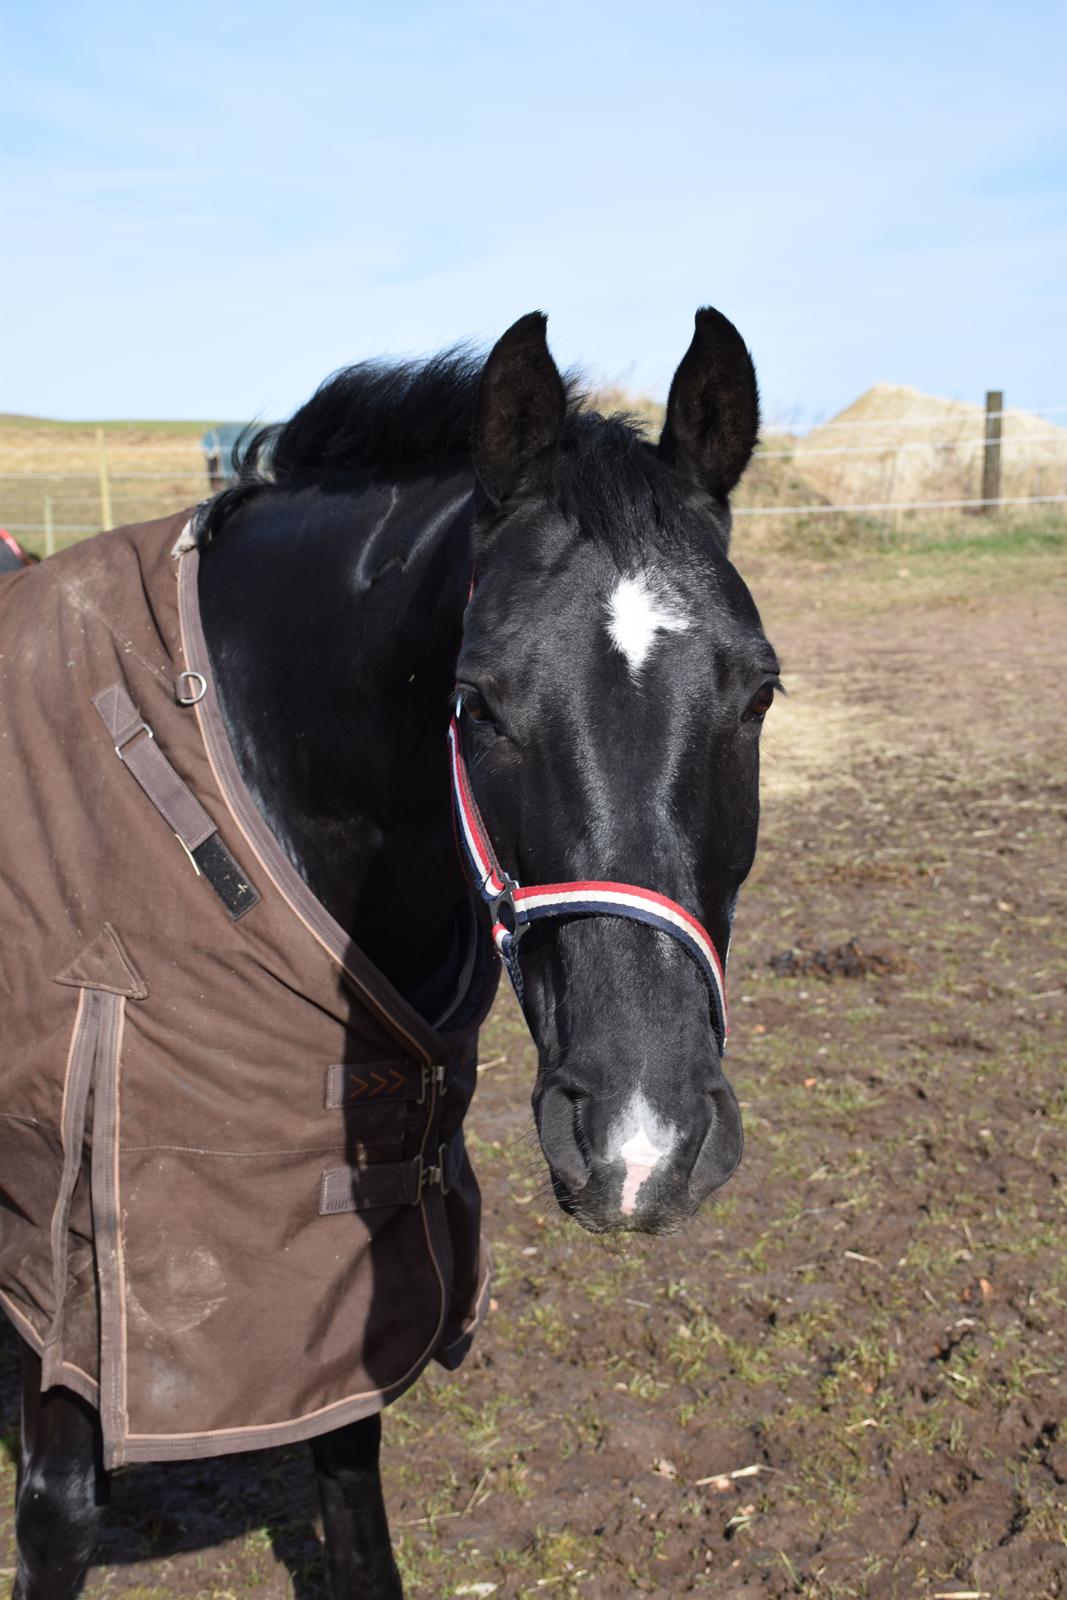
[849, 960]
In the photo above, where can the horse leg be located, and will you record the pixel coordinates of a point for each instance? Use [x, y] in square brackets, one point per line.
[61, 1488]
[359, 1552]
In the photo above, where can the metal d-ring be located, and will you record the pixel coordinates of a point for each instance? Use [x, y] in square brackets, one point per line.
[506, 897]
[200, 688]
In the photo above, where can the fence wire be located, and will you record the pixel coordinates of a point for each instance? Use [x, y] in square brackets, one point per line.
[139, 492]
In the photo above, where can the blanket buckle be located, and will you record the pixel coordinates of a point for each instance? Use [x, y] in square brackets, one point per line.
[430, 1177]
[434, 1074]
[426, 1177]
[141, 727]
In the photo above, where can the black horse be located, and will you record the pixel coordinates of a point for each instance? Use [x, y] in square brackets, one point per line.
[453, 530]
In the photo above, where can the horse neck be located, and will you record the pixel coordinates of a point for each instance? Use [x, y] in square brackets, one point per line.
[334, 620]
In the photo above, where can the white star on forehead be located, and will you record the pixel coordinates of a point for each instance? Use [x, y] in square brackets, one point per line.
[637, 613]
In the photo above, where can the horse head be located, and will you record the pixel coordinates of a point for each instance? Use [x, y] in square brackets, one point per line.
[612, 682]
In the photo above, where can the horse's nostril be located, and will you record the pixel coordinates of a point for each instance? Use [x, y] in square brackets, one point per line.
[721, 1150]
[558, 1115]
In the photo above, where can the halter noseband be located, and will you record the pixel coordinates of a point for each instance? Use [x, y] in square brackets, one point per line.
[513, 909]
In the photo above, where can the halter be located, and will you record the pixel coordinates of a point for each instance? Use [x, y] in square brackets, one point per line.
[512, 909]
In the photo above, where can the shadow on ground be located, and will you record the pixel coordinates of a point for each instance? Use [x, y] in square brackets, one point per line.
[259, 1509]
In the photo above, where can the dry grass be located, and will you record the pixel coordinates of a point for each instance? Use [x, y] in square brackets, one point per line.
[157, 467]
[154, 468]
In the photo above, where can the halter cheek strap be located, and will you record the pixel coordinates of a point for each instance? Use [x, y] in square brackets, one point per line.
[513, 908]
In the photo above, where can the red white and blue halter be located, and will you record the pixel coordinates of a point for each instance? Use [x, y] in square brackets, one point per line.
[512, 908]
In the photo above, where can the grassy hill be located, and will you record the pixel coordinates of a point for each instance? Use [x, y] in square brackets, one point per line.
[153, 468]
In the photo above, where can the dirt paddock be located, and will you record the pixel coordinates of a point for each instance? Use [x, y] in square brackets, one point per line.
[846, 1379]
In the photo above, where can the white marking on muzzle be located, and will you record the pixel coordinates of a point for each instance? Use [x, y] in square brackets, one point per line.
[637, 613]
[640, 1141]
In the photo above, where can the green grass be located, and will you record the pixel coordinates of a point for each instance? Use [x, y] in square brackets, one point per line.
[1013, 531]
[1001, 540]
[186, 428]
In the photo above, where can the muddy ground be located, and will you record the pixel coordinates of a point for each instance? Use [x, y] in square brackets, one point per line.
[847, 1378]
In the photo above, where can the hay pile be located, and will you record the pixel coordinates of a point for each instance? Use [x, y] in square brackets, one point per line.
[924, 448]
[894, 445]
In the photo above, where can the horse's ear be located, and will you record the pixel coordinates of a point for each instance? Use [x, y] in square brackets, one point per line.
[522, 404]
[713, 407]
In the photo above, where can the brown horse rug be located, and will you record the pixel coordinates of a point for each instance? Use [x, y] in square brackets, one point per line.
[235, 1205]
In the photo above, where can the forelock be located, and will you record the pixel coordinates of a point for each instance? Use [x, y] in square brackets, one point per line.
[616, 490]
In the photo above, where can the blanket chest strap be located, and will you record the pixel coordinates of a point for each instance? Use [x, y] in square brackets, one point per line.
[391, 1183]
[172, 798]
[380, 1080]
[136, 747]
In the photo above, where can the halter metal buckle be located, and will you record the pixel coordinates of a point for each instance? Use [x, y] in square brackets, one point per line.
[506, 899]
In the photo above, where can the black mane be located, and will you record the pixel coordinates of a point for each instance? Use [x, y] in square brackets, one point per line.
[396, 420]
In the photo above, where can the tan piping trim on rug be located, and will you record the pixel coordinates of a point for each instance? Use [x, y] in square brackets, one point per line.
[481, 1308]
[107, 1226]
[114, 1056]
[25, 1326]
[80, 1381]
[225, 1441]
[76, 1081]
[87, 1387]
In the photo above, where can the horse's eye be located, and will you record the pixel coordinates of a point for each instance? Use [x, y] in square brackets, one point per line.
[475, 706]
[761, 702]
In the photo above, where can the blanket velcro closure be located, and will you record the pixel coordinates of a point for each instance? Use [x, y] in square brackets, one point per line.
[391, 1183]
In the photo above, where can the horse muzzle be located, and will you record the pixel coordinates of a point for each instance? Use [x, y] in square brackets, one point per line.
[633, 1167]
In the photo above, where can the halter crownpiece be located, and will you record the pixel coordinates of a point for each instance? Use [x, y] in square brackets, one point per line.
[512, 908]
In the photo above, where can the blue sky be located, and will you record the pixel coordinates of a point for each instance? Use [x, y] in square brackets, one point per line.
[208, 208]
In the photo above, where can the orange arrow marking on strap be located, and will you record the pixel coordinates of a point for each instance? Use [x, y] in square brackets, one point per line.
[395, 1083]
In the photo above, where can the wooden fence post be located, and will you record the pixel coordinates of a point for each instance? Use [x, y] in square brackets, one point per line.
[106, 520]
[994, 417]
[49, 529]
